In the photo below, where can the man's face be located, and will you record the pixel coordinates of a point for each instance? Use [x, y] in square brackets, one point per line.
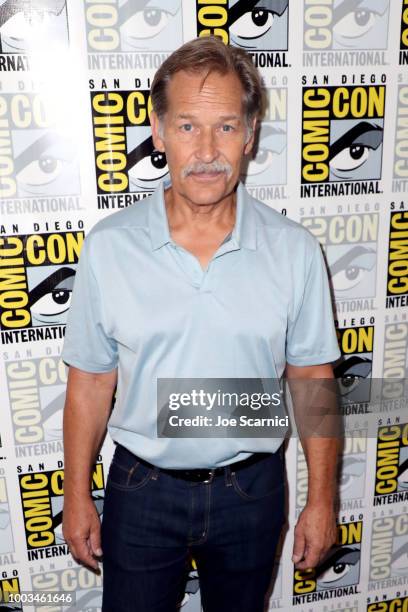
[204, 135]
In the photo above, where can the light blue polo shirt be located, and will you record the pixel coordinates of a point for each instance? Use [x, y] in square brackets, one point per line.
[144, 304]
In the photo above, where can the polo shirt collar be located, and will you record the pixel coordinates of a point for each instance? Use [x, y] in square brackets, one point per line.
[243, 233]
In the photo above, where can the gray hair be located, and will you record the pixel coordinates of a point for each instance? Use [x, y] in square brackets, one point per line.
[204, 55]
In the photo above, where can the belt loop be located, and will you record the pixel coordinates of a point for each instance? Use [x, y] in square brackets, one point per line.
[228, 482]
[155, 474]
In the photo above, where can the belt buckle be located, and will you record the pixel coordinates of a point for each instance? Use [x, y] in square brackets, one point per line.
[210, 477]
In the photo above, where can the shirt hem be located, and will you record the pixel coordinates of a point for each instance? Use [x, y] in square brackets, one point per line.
[313, 360]
[86, 367]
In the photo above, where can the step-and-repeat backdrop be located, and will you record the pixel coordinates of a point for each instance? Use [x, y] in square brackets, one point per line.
[75, 146]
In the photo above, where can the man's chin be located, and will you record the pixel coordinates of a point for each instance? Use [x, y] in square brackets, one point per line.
[209, 192]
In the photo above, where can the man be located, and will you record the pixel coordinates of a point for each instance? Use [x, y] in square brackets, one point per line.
[197, 281]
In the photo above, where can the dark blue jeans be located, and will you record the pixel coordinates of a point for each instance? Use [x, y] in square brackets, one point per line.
[154, 523]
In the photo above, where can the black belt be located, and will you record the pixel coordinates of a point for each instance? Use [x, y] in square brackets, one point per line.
[207, 474]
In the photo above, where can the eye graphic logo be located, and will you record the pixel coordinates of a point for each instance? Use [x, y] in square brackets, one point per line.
[134, 26]
[36, 25]
[339, 570]
[353, 372]
[391, 481]
[125, 158]
[350, 246]
[37, 277]
[38, 160]
[44, 380]
[345, 24]
[397, 281]
[389, 547]
[253, 25]
[42, 496]
[268, 164]
[342, 135]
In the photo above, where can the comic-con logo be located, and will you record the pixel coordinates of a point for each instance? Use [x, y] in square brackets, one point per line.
[36, 281]
[391, 477]
[400, 169]
[37, 25]
[388, 557]
[36, 393]
[267, 167]
[115, 26]
[338, 574]
[397, 277]
[9, 588]
[403, 56]
[37, 160]
[350, 246]
[342, 135]
[42, 496]
[395, 360]
[258, 27]
[353, 371]
[344, 25]
[125, 158]
[397, 604]
[86, 585]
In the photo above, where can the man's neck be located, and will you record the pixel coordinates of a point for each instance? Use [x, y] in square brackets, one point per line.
[182, 213]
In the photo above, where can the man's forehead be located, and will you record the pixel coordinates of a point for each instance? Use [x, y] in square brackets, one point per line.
[201, 88]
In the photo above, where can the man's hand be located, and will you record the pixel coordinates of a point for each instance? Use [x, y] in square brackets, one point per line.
[81, 528]
[315, 533]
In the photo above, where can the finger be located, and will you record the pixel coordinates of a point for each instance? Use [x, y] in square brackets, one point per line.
[81, 551]
[298, 546]
[95, 539]
[312, 558]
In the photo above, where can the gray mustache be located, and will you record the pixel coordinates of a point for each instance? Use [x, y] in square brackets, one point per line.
[199, 167]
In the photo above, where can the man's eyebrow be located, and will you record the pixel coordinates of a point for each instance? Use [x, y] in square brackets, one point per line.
[193, 116]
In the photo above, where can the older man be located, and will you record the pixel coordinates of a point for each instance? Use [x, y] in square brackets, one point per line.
[197, 281]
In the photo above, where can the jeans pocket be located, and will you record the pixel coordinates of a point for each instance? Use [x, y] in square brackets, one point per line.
[129, 475]
[259, 480]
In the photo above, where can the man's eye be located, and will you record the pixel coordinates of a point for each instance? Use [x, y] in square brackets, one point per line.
[253, 24]
[227, 128]
[187, 127]
[356, 23]
[350, 158]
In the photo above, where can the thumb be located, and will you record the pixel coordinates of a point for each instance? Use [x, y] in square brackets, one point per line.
[298, 547]
[95, 538]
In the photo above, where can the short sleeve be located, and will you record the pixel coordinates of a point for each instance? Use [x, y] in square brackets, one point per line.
[87, 346]
[311, 336]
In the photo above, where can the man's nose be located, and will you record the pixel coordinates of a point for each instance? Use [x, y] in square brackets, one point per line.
[207, 146]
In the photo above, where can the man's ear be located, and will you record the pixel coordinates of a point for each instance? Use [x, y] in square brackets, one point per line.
[250, 143]
[157, 139]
